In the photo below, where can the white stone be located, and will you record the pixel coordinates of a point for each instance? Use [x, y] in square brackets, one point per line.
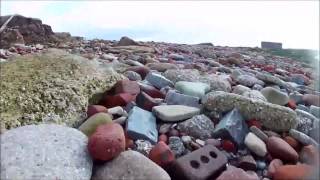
[172, 113]
[255, 144]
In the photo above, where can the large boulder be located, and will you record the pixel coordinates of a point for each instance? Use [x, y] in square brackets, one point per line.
[51, 87]
[272, 116]
[45, 152]
[32, 29]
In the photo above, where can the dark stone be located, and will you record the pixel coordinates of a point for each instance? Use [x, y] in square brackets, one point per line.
[233, 127]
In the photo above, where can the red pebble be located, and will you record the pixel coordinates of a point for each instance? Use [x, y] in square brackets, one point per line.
[293, 143]
[291, 104]
[309, 155]
[93, 109]
[161, 154]
[163, 138]
[126, 86]
[228, 146]
[117, 100]
[107, 142]
[254, 122]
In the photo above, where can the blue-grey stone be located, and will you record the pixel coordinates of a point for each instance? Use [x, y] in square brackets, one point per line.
[261, 165]
[298, 79]
[174, 98]
[315, 110]
[303, 107]
[141, 124]
[232, 126]
[158, 80]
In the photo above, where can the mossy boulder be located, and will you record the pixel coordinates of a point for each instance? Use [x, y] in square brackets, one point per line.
[53, 86]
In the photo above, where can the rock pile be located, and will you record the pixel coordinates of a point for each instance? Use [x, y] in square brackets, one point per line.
[180, 111]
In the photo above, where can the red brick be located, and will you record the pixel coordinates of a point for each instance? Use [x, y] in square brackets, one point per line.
[117, 100]
[93, 109]
[126, 86]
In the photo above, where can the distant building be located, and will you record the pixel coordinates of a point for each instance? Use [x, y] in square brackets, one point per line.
[271, 45]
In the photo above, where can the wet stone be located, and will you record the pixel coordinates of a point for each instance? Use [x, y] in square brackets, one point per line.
[233, 127]
[141, 124]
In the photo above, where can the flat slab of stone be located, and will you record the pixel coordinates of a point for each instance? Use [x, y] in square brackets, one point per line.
[173, 113]
[196, 89]
[45, 152]
[174, 98]
[130, 165]
[272, 116]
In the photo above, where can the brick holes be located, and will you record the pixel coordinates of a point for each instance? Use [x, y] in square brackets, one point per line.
[213, 154]
[194, 164]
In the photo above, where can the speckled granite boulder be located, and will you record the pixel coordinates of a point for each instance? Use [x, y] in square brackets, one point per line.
[254, 94]
[51, 87]
[130, 165]
[305, 122]
[248, 80]
[268, 78]
[45, 152]
[272, 116]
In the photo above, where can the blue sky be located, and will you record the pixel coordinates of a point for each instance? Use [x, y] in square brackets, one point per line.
[225, 23]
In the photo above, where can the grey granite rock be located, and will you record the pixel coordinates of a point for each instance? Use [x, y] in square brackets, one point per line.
[199, 126]
[45, 152]
[315, 110]
[254, 94]
[305, 122]
[272, 116]
[302, 138]
[130, 165]
[240, 89]
[176, 145]
[248, 80]
[132, 76]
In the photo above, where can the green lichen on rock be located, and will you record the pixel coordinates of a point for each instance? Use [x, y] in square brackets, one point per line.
[53, 86]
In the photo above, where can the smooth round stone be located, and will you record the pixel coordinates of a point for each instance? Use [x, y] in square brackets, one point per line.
[278, 148]
[257, 87]
[196, 89]
[174, 113]
[275, 96]
[107, 142]
[90, 125]
[43, 152]
[248, 80]
[255, 144]
[130, 165]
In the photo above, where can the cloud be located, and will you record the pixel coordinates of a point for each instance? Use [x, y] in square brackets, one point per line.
[233, 23]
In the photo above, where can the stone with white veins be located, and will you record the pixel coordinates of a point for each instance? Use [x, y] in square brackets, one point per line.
[255, 144]
[272, 116]
[173, 113]
[45, 151]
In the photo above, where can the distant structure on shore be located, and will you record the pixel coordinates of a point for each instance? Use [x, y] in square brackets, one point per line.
[271, 45]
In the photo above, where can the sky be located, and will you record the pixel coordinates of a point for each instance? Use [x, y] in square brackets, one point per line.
[224, 23]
